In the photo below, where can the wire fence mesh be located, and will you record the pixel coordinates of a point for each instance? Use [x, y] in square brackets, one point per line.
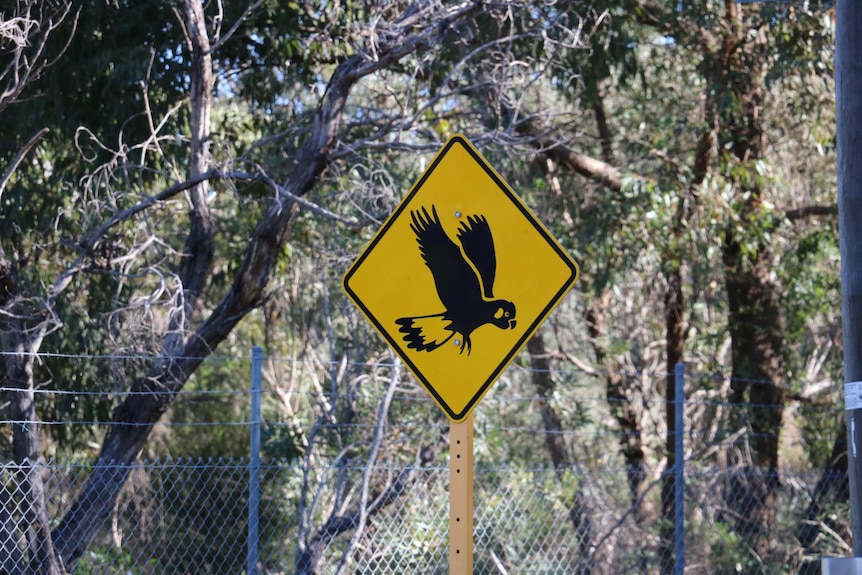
[191, 517]
[311, 499]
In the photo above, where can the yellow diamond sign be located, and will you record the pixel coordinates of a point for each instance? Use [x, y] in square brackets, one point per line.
[459, 277]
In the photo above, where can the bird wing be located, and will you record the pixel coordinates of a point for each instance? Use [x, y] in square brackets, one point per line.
[455, 280]
[475, 237]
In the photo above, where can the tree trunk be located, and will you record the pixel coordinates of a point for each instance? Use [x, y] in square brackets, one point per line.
[132, 423]
[757, 341]
[618, 393]
[754, 312]
[198, 254]
[622, 409]
[675, 331]
[756, 349]
[138, 413]
[19, 372]
[25, 428]
[579, 508]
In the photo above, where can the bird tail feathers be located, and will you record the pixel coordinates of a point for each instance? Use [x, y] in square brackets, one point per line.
[425, 333]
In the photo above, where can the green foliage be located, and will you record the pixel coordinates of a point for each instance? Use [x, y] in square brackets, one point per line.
[664, 87]
[196, 416]
[812, 289]
[99, 562]
[98, 84]
[729, 552]
[612, 53]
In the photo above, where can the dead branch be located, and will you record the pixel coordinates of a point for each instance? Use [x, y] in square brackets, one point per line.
[28, 30]
[19, 157]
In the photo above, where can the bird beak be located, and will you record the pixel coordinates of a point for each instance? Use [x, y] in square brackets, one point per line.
[512, 324]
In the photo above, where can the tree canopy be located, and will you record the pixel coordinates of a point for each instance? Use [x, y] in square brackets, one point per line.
[180, 178]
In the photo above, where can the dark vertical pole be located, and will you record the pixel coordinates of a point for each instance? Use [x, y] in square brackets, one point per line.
[679, 472]
[254, 463]
[848, 101]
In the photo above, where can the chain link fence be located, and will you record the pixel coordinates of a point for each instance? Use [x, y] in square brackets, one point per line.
[312, 499]
[191, 517]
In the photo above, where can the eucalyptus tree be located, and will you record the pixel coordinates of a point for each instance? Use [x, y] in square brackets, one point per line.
[143, 174]
[746, 55]
[692, 107]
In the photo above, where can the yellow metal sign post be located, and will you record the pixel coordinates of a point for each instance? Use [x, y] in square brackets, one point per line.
[456, 280]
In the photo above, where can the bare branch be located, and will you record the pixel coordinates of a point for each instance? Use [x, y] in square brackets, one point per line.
[93, 238]
[582, 365]
[232, 30]
[379, 432]
[315, 208]
[19, 158]
[811, 211]
[585, 165]
[29, 35]
[168, 193]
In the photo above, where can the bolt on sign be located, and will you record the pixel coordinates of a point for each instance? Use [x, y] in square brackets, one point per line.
[459, 277]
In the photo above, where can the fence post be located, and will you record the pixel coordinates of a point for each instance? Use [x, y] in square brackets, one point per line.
[254, 463]
[679, 472]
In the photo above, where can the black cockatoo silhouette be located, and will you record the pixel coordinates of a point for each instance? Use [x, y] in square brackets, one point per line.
[464, 281]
